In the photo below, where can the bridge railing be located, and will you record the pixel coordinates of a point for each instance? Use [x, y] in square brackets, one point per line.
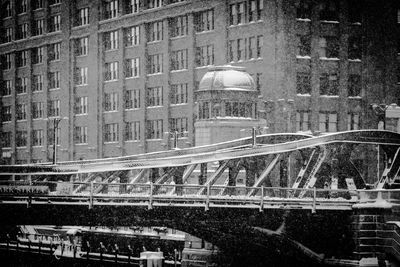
[379, 196]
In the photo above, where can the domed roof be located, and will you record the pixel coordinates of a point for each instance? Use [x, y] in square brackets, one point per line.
[227, 78]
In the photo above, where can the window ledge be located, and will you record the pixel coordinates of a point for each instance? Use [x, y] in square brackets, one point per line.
[37, 146]
[109, 81]
[36, 92]
[80, 27]
[110, 111]
[154, 107]
[329, 96]
[181, 70]
[155, 139]
[154, 74]
[304, 95]
[5, 122]
[111, 50]
[329, 58]
[132, 141]
[178, 37]
[54, 89]
[355, 60]
[80, 115]
[303, 20]
[111, 142]
[131, 109]
[330, 21]
[154, 42]
[131, 78]
[81, 85]
[81, 144]
[205, 32]
[81, 56]
[21, 147]
[179, 104]
[355, 97]
[303, 57]
[204, 67]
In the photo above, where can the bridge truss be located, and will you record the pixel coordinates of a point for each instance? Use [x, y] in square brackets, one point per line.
[250, 172]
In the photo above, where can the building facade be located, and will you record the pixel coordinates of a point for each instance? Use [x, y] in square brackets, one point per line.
[118, 77]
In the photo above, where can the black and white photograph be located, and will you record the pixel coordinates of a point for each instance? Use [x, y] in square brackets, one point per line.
[200, 133]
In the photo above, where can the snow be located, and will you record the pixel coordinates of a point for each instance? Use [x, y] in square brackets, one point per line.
[378, 204]
[330, 21]
[329, 58]
[304, 20]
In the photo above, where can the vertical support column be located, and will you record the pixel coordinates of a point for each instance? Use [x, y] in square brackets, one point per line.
[203, 173]
[315, 67]
[343, 66]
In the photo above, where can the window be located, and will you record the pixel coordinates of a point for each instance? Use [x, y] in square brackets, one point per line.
[205, 55]
[354, 85]
[132, 36]
[154, 96]
[54, 108]
[81, 46]
[8, 9]
[21, 86]
[355, 51]
[303, 121]
[81, 134]
[22, 6]
[22, 31]
[132, 99]
[81, 105]
[37, 83]
[55, 22]
[37, 4]
[259, 45]
[9, 35]
[155, 31]
[7, 87]
[231, 46]
[355, 11]
[303, 83]
[37, 55]
[21, 58]
[237, 109]
[255, 8]
[155, 64]
[154, 129]
[179, 93]
[54, 80]
[304, 45]
[111, 132]
[329, 10]
[7, 59]
[6, 139]
[178, 26]
[353, 121]
[133, 6]
[154, 3]
[38, 27]
[257, 80]
[398, 15]
[329, 47]
[179, 125]
[37, 110]
[111, 72]
[51, 136]
[252, 52]
[304, 9]
[37, 137]
[83, 17]
[20, 138]
[327, 122]
[110, 9]
[6, 113]
[237, 13]
[54, 51]
[328, 84]
[204, 21]
[81, 76]
[240, 49]
[21, 111]
[204, 110]
[54, 2]
[179, 59]
[132, 67]
[111, 40]
[132, 131]
[110, 101]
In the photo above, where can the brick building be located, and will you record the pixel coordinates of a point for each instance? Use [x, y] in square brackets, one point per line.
[120, 75]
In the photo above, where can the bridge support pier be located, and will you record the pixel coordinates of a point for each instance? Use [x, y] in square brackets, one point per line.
[373, 236]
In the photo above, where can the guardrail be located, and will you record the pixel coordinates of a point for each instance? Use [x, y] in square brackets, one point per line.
[191, 195]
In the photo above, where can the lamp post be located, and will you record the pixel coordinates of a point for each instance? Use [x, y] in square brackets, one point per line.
[380, 112]
[56, 122]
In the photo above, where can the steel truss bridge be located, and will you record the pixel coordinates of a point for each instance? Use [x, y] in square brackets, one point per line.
[238, 174]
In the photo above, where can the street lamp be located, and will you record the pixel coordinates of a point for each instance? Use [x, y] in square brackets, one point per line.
[56, 122]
